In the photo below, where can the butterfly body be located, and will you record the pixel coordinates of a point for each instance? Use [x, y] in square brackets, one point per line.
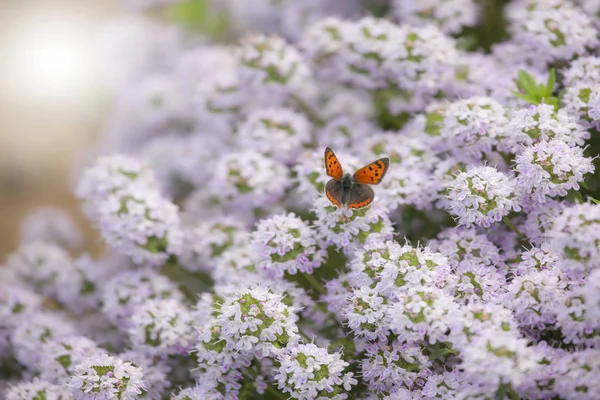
[347, 185]
[352, 191]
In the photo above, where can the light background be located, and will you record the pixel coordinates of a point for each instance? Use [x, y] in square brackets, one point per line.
[52, 103]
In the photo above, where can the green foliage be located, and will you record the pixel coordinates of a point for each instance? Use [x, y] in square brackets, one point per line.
[198, 17]
[536, 93]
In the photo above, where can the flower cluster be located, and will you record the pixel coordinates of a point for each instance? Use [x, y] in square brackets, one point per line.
[226, 272]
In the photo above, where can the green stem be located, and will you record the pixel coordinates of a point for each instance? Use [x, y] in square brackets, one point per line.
[506, 159]
[275, 392]
[304, 335]
[513, 395]
[310, 113]
[314, 283]
[512, 227]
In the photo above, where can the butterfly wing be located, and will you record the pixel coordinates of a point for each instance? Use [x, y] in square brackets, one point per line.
[360, 196]
[373, 173]
[332, 164]
[333, 190]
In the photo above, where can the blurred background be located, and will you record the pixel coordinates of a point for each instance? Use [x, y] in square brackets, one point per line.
[52, 103]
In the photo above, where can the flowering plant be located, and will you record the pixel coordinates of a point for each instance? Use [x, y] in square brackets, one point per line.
[229, 274]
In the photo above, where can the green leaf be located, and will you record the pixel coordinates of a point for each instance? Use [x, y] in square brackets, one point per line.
[550, 83]
[197, 15]
[594, 200]
[541, 90]
[525, 97]
[527, 82]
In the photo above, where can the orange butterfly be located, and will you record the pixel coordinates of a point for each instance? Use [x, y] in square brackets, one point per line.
[352, 191]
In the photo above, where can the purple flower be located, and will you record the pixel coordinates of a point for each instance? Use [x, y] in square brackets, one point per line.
[497, 357]
[371, 53]
[161, 327]
[471, 127]
[51, 225]
[206, 242]
[390, 268]
[449, 15]
[198, 393]
[110, 175]
[574, 320]
[127, 291]
[138, 222]
[553, 30]
[539, 123]
[272, 69]
[348, 228]
[388, 367]
[296, 372]
[535, 297]
[59, 356]
[550, 169]
[285, 243]
[421, 314]
[107, 376]
[248, 181]
[257, 321]
[575, 238]
[37, 389]
[279, 133]
[482, 196]
[578, 370]
[33, 331]
[43, 267]
[365, 313]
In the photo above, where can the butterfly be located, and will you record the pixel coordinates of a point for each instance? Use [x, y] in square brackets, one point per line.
[352, 191]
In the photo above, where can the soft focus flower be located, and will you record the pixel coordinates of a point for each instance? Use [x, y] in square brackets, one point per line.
[471, 127]
[248, 180]
[37, 389]
[553, 30]
[221, 269]
[108, 176]
[127, 292]
[575, 237]
[162, 326]
[276, 132]
[32, 332]
[51, 225]
[60, 356]
[498, 357]
[449, 15]
[285, 243]
[206, 242]
[573, 318]
[272, 69]
[141, 224]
